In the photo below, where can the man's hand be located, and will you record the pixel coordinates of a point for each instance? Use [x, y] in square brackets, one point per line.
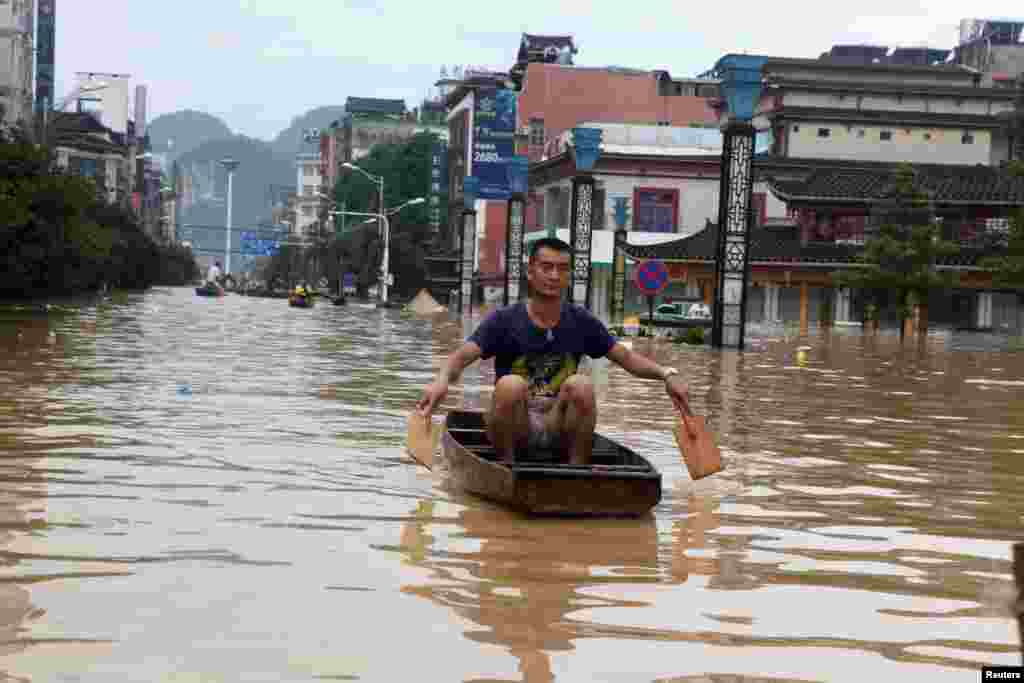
[432, 395]
[679, 392]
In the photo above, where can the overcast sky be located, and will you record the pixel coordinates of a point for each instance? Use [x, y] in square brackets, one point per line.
[258, 63]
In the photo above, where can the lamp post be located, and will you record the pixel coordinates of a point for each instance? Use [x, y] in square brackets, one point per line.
[518, 180]
[586, 149]
[230, 165]
[382, 217]
[379, 180]
[741, 87]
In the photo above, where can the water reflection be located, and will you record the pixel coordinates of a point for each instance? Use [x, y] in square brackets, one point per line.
[225, 481]
[521, 579]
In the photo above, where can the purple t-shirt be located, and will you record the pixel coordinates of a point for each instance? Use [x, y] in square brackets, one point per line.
[544, 360]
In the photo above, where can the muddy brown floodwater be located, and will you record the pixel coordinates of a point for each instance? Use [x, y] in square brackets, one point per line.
[216, 490]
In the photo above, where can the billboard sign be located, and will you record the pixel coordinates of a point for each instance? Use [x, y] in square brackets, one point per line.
[45, 38]
[437, 195]
[494, 127]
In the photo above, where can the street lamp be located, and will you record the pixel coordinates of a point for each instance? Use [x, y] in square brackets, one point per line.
[230, 165]
[383, 218]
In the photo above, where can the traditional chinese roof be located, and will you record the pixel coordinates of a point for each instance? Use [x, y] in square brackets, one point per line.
[373, 105]
[776, 245]
[949, 185]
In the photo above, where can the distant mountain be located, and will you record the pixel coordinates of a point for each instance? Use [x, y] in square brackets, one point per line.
[181, 132]
[258, 170]
[289, 142]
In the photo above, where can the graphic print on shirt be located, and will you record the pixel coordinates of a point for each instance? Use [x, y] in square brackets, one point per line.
[544, 372]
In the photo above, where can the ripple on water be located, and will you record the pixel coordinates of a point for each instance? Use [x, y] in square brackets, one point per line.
[866, 513]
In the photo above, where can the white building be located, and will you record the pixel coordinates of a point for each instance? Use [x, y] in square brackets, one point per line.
[16, 60]
[308, 186]
[107, 96]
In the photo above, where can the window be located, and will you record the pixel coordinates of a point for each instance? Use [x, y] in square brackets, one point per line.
[967, 139]
[824, 132]
[796, 129]
[664, 123]
[707, 91]
[537, 132]
[885, 135]
[860, 132]
[309, 190]
[655, 210]
[309, 170]
[927, 136]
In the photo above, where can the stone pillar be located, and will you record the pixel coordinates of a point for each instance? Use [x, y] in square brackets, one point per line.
[518, 169]
[586, 149]
[618, 312]
[580, 225]
[732, 265]
[842, 305]
[983, 317]
[771, 302]
[470, 188]
[804, 306]
[740, 77]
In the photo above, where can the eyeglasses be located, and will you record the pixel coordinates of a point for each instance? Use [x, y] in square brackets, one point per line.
[547, 267]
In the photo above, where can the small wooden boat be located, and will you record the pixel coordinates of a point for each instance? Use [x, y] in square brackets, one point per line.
[617, 483]
[300, 301]
[210, 290]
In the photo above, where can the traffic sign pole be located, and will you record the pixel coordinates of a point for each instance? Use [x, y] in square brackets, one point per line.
[651, 278]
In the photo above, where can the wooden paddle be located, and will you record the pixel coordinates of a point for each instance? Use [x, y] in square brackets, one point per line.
[696, 445]
[421, 439]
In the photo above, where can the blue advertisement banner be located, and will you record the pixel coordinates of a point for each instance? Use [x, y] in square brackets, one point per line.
[45, 42]
[494, 128]
[438, 194]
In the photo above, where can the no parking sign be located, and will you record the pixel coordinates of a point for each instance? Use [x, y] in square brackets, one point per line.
[651, 276]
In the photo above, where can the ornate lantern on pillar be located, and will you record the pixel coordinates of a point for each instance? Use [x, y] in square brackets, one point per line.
[619, 261]
[586, 149]
[470, 188]
[741, 89]
[518, 179]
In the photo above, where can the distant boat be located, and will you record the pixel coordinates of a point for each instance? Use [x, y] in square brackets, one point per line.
[300, 301]
[209, 290]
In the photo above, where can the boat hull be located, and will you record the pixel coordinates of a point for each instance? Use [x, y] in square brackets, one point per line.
[618, 483]
[206, 291]
[300, 302]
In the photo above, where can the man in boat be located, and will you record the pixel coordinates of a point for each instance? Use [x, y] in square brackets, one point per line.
[213, 274]
[539, 400]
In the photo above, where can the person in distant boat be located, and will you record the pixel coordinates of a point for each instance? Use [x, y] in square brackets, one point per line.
[213, 274]
[539, 400]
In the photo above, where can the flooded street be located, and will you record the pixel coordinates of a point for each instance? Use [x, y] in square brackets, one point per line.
[216, 490]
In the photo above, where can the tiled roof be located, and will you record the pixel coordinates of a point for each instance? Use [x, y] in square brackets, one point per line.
[773, 245]
[372, 105]
[979, 185]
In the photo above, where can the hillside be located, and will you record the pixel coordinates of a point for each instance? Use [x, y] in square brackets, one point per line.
[288, 142]
[181, 132]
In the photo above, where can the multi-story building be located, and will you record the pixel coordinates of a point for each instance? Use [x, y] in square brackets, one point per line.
[838, 126]
[994, 48]
[553, 95]
[86, 147]
[16, 61]
[308, 188]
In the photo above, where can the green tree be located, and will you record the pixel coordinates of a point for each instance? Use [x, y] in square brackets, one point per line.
[405, 167]
[901, 257]
[58, 236]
